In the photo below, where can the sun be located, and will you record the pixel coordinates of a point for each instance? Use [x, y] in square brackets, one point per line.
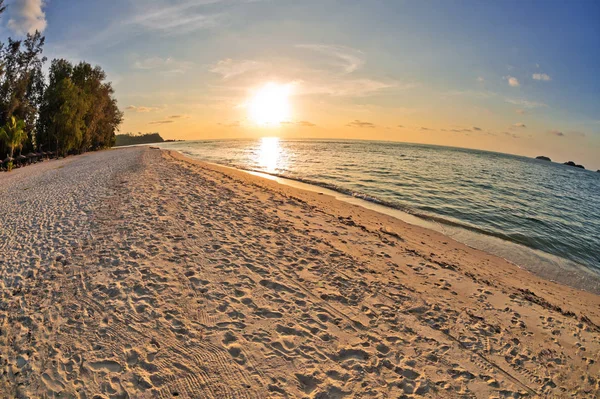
[270, 104]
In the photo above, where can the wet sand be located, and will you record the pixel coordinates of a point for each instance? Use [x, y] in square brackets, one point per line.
[140, 273]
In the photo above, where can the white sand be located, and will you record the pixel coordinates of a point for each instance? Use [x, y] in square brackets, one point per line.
[135, 273]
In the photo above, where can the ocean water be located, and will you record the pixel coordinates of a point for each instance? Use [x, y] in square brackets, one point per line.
[540, 215]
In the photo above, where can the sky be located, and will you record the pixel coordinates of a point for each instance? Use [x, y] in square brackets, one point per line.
[511, 76]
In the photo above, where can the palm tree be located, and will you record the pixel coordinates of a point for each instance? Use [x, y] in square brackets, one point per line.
[13, 134]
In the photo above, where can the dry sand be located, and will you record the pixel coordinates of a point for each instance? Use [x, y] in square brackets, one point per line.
[136, 273]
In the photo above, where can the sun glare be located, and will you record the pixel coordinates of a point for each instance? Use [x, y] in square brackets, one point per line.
[270, 105]
[269, 154]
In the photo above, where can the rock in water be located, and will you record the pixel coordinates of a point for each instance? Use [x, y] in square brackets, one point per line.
[571, 163]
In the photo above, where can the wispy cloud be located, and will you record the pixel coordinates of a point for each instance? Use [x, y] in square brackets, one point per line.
[162, 122]
[541, 76]
[480, 79]
[27, 16]
[469, 93]
[512, 81]
[140, 109]
[173, 18]
[350, 87]
[299, 123]
[572, 134]
[158, 17]
[167, 65]
[361, 124]
[229, 68]
[520, 125]
[348, 59]
[525, 103]
[306, 124]
[521, 111]
[477, 128]
[234, 124]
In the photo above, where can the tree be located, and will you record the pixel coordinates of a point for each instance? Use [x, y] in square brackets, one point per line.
[13, 134]
[103, 116]
[63, 110]
[22, 81]
[78, 111]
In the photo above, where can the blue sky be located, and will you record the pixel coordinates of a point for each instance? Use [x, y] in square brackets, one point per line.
[512, 76]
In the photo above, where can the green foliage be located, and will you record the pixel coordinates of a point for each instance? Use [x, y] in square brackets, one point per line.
[13, 134]
[78, 112]
[22, 82]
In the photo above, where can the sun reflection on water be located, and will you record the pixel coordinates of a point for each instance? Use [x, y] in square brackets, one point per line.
[269, 156]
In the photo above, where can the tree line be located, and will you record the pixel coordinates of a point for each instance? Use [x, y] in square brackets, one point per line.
[72, 110]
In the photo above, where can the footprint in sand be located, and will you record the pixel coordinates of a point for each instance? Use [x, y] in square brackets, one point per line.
[106, 366]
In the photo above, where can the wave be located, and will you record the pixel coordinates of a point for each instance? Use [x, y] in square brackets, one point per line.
[393, 205]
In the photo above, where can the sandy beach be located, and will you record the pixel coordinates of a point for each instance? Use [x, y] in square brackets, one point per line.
[138, 273]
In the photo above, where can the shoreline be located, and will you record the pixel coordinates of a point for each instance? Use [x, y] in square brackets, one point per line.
[544, 265]
[143, 273]
[362, 204]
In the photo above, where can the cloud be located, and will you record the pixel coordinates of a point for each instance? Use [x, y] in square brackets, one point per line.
[167, 65]
[299, 123]
[231, 125]
[512, 81]
[229, 68]
[480, 79]
[351, 87]
[521, 125]
[27, 16]
[476, 128]
[163, 122]
[469, 93]
[361, 124]
[348, 59]
[521, 111]
[525, 103]
[541, 76]
[574, 134]
[400, 126]
[173, 18]
[141, 109]
[425, 128]
[181, 116]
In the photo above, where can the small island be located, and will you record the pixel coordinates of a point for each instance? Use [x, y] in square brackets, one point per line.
[543, 158]
[571, 163]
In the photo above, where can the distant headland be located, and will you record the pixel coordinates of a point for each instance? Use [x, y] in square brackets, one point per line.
[134, 139]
